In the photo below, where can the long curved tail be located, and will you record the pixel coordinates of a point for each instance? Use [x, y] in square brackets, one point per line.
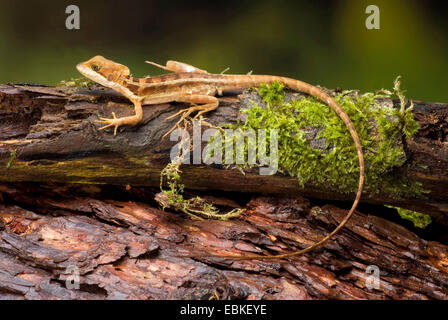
[298, 85]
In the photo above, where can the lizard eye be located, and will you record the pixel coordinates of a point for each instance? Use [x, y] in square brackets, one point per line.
[95, 67]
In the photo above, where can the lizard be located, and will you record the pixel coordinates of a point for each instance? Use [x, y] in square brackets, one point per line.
[192, 85]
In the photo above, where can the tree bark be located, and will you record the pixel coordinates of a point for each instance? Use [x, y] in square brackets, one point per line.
[56, 140]
[130, 250]
[79, 202]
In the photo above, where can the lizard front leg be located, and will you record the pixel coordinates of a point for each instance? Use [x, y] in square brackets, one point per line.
[129, 121]
[201, 103]
[176, 66]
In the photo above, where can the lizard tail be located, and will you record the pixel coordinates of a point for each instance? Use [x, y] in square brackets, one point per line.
[318, 93]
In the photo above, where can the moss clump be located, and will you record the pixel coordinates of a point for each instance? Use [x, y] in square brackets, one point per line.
[12, 157]
[196, 207]
[420, 220]
[315, 146]
[81, 82]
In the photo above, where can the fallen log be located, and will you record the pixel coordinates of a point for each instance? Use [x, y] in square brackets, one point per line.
[60, 242]
[48, 134]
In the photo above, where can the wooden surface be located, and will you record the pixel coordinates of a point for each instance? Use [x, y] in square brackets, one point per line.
[56, 140]
[130, 250]
[79, 200]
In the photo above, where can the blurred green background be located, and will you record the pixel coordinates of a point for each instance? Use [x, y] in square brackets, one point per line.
[321, 42]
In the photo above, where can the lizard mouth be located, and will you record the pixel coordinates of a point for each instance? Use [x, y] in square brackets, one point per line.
[94, 76]
[99, 78]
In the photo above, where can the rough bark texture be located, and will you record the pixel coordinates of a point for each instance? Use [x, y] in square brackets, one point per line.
[130, 250]
[56, 139]
[81, 200]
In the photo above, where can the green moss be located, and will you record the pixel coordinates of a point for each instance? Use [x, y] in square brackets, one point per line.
[420, 220]
[315, 146]
[81, 82]
[12, 157]
[196, 207]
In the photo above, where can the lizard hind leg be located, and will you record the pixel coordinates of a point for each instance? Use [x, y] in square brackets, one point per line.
[201, 103]
[176, 66]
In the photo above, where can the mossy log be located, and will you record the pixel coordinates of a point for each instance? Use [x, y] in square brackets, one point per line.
[78, 204]
[48, 135]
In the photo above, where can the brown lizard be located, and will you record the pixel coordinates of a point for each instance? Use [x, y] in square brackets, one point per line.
[198, 87]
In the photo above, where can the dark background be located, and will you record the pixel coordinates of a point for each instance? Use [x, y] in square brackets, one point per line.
[321, 42]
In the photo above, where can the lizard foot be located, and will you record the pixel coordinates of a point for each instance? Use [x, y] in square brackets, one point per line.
[185, 113]
[176, 126]
[115, 122]
[203, 121]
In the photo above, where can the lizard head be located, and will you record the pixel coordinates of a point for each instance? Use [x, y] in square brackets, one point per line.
[104, 71]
